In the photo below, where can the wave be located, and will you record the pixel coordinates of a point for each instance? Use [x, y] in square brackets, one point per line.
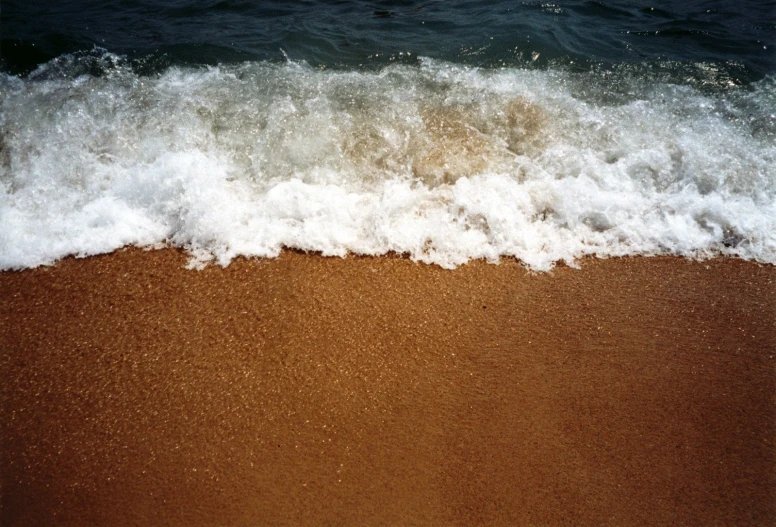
[439, 161]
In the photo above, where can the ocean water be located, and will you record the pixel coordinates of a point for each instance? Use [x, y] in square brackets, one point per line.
[447, 131]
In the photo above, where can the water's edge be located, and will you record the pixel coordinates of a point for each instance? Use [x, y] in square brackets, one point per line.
[440, 161]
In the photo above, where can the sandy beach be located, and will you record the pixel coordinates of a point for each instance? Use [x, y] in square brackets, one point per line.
[377, 391]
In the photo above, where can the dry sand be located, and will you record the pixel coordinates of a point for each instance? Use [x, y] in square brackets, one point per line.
[376, 391]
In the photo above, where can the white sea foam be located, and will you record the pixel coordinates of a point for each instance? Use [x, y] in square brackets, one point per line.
[442, 162]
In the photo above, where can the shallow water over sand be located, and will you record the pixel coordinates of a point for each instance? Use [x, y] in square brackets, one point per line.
[440, 161]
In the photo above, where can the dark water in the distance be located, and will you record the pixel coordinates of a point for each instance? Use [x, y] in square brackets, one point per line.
[446, 130]
[739, 35]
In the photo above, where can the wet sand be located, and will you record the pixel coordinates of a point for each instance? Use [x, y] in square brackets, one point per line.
[376, 391]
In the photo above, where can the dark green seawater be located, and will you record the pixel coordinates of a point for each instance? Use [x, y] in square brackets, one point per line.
[738, 37]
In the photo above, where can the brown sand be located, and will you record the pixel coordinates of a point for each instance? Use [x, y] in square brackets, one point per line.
[308, 390]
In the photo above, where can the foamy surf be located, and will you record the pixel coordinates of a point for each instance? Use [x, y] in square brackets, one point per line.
[442, 162]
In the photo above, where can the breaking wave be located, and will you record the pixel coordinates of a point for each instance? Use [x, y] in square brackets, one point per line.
[439, 161]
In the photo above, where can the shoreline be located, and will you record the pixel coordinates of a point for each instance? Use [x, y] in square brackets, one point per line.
[375, 390]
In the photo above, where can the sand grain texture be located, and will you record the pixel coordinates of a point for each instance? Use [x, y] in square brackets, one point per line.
[373, 391]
